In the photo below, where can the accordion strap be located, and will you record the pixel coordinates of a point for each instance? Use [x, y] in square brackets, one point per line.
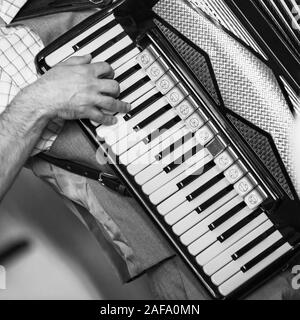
[38, 8]
[108, 180]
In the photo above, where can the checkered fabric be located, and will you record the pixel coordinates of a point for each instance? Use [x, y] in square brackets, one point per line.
[18, 48]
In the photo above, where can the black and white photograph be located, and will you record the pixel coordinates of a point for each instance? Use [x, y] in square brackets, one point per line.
[149, 153]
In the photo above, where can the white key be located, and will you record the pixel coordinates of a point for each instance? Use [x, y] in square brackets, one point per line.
[133, 79]
[158, 166]
[125, 67]
[128, 56]
[211, 236]
[194, 217]
[235, 266]
[112, 134]
[177, 214]
[67, 49]
[114, 49]
[218, 247]
[140, 93]
[240, 278]
[98, 42]
[160, 186]
[148, 158]
[136, 137]
[141, 148]
[180, 196]
[182, 226]
[226, 257]
[127, 129]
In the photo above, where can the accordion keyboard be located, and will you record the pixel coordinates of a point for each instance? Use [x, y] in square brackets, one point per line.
[205, 196]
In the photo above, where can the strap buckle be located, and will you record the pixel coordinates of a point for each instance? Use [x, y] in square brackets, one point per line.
[114, 183]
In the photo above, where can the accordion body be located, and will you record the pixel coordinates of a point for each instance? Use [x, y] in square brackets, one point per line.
[206, 148]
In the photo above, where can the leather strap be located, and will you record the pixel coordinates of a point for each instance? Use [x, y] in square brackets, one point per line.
[38, 8]
[108, 180]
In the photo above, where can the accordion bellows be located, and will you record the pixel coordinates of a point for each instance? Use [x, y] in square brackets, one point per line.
[248, 87]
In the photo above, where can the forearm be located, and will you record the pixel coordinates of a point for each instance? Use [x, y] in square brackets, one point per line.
[20, 129]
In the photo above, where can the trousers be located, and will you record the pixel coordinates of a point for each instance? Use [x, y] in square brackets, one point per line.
[132, 242]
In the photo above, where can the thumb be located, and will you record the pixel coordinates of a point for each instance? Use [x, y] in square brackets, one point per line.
[73, 61]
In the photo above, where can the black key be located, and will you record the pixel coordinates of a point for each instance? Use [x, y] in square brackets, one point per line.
[205, 187]
[142, 106]
[120, 54]
[179, 161]
[253, 244]
[262, 255]
[196, 175]
[153, 117]
[94, 35]
[163, 128]
[214, 199]
[227, 216]
[108, 44]
[128, 73]
[174, 146]
[230, 232]
[133, 88]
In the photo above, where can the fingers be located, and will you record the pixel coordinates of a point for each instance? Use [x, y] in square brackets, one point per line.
[112, 105]
[94, 114]
[102, 70]
[75, 61]
[108, 87]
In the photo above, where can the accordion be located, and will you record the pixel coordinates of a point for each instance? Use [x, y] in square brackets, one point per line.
[205, 149]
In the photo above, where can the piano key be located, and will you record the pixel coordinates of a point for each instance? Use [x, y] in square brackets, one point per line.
[195, 121]
[240, 278]
[67, 49]
[143, 147]
[245, 185]
[255, 220]
[135, 137]
[120, 57]
[176, 213]
[211, 237]
[191, 178]
[94, 35]
[148, 158]
[124, 68]
[235, 266]
[227, 256]
[112, 134]
[100, 41]
[142, 106]
[160, 190]
[191, 215]
[154, 116]
[158, 166]
[186, 108]
[206, 186]
[131, 81]
[180, 197]
[166, 126]
[199, 229]
[117, 47]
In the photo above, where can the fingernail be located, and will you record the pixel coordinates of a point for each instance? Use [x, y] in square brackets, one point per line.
[128, 107]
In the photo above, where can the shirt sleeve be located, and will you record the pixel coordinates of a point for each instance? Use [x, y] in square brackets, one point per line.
[18, 48]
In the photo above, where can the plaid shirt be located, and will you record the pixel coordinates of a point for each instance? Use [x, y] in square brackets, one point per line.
[18, 48]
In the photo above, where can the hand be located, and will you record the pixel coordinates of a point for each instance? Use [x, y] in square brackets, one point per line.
[77, 89]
